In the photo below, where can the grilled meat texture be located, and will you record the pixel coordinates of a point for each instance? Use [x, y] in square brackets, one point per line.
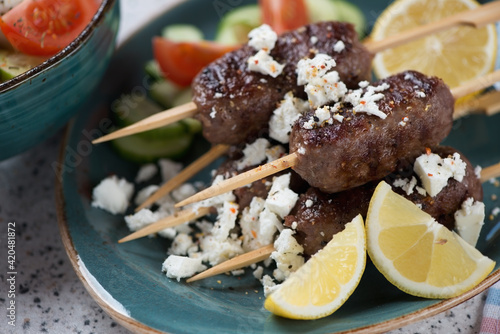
[319, 215]
[235, 104]
[363, 147]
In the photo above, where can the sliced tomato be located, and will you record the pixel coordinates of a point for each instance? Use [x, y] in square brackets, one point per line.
[44, 27]
[284, 15]
[181, 61]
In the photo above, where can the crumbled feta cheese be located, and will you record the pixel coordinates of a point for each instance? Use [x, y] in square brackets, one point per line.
[294, 225]
[215, 251]
[325, 89]
[367, 101]
[112, 194]
[338, 118]
[218, 95]
[434, 171]
[169, 168]
[407, 185]
[217, 200]
[309, 203]
[469, 220]
[284, 117]
[253, 154]
[226, 221]
[180, 266]
[301, 150]
[213, 113]
[145, 193]
[310, 69]
[257, 273]
[420, 93]
[181, 244]
[262, 38]
[275, 152]
[238, 272]
[495, 211]
[183, 191]
[339, 46]
[287, 255]
[269, 285]
[141, 219]
[265, 64]
[281, 199]
[249, 223]
[314, 40]
[269, 224]
[478, 171]
[146, 172]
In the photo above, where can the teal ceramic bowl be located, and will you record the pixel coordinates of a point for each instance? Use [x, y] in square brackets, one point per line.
[126, 279]
[35, 104]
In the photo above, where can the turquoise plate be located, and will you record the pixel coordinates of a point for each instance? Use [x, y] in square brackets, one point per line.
[131, 272]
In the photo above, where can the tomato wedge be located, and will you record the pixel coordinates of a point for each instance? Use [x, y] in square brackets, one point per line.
[44, 27]
[284, 15]
[181, 61]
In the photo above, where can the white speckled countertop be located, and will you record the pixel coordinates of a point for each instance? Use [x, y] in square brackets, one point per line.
[49, 296]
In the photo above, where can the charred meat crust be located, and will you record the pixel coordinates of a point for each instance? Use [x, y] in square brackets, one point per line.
[235, 104]
[366, 148]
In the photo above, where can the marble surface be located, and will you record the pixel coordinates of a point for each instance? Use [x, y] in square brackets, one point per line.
[49, 298]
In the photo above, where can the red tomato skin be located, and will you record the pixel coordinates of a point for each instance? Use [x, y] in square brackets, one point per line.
[180, 62]
[284, 15]
[45, 27]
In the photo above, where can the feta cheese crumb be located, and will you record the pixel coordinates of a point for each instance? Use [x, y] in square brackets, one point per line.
[113, 195]
[213, 113]
[218, 95]
[226, 221]
[253, 153]
[301, 150]
[287, 255]
[257, 273]
[269, 285]
[181, 266]
[145, 193]
[181, 244]
[367, 101]
[141, 219]
[146, 172]
[339, 46]
[285, 116]
[263, 63]
[262, 38]
[309, 203]
[478, 171]
[469, 220]
[281, 199]
[169, 168]
[314, 40]
[434, 171]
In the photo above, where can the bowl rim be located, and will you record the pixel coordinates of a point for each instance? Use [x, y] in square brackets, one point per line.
[104, 8]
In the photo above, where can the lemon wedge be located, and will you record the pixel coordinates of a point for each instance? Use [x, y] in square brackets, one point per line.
[416, 253]
[456, 55]
[326, 280]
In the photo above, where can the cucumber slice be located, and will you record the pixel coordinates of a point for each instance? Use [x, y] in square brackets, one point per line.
[140, 150]
[235, 25]
[337, 10]
[13, 63]
[193, 125]
[183, 97]
[182, 33]
[322, 10]
[165, 92]
[351, 13]
[129, 110]
[153, 70]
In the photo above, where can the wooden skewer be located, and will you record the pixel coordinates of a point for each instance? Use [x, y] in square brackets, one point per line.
[487, 104]
[170, 221]
[263, 253]
[477, 17]
[490, 172]
[290, 160]
[200, 163]
[152, 122]
[243, 179]
[236, 263]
